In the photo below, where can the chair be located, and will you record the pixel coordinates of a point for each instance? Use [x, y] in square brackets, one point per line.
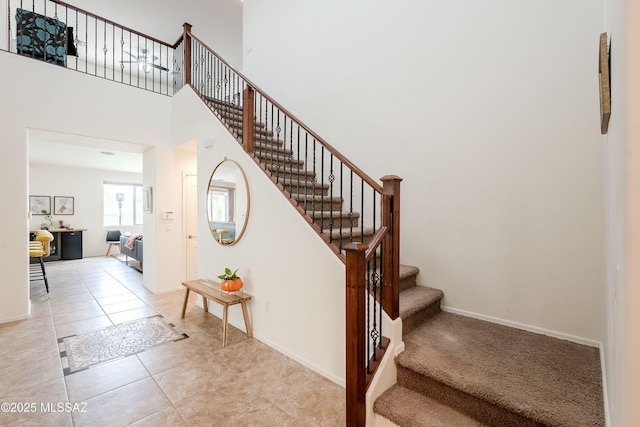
[113, 239]
[40, 248]
[220, 239]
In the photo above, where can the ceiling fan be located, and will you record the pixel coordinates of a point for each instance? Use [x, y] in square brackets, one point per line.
[145, 61]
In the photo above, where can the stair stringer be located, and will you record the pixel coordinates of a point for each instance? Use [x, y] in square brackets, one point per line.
[387, 373]
[301, 312]
[336, 236]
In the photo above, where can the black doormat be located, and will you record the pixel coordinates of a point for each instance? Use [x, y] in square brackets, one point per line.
[81, 351]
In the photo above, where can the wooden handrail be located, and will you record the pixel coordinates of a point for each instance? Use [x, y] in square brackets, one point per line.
[376, 186]
[131, 30]
[375, 242]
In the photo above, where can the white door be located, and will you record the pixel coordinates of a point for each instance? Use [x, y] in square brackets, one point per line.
[190, 190]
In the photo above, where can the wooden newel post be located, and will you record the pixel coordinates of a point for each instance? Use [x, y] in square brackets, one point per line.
[186, 43]
[356, 334]
[391, 257]
[248, 117]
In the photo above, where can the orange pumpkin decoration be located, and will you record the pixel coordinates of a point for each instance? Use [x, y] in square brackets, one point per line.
[230, 281]
[231, 285]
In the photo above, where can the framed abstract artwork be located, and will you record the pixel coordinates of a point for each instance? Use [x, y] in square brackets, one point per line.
[63, 205]
[40, 205]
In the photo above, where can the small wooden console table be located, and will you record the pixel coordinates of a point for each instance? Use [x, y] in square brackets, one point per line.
[209, 289]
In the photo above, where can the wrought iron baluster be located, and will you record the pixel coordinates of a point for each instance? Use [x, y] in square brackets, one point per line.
[160, 48]
[218, 80]
[375, 194]
[86, 44]
[339, 212]
[45, 14]
[196, 68]
[321, 192]
[351, 205]
[113, 52]
[375, 284]
[313, 182]
[105, 50]
[368, 317]
[277, 136]
[77, 40]
[382, 280]
[9, 25]
[284, 147]
[121, 55]
[362, 209]
[153, 69]
[332, 178]
[95, 46]
[130, 54]
[210, 64]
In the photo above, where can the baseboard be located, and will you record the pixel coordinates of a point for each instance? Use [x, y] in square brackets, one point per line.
[164, 291]
[297, 358]
[380, 421]
[16, 318]
[534, 329]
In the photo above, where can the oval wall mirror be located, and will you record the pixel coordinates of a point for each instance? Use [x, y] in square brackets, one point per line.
[228, 202]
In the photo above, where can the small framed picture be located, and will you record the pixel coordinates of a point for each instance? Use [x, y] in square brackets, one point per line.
[63, 205]
[40, 205]
[147, 200]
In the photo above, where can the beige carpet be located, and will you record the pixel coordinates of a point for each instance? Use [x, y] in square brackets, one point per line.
[500, 375]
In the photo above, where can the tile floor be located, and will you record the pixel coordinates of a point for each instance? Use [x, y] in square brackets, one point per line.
[192, 382]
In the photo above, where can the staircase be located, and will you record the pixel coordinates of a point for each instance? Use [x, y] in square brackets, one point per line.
[459, 371]
[322, 209]
[455, 370]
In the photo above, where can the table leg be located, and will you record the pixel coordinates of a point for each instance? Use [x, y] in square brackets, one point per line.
[186, 299]
[247, 322]
[225, 310]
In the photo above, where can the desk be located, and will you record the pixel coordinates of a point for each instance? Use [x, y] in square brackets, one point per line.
[209, 289]
[67, 244]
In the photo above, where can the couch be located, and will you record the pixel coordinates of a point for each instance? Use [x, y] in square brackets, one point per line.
[136, 252]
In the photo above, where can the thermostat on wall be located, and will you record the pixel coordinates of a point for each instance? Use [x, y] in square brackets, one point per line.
[166, 215]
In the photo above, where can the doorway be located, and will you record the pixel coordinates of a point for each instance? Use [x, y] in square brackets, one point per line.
[190, 192]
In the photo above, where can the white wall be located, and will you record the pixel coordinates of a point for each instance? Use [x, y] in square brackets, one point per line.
[43, 96]
[164, 238]
[622, 344]
[218, 23]
[489, 111]
[86, 186]
[297, 283]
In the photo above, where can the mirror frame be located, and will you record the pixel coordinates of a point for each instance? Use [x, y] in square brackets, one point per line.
[239, 233]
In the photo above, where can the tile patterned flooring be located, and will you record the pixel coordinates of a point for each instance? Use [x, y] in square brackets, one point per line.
[192, 382]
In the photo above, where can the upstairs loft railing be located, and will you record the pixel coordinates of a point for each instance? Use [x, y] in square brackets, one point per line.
[355, 215]
[62, 34]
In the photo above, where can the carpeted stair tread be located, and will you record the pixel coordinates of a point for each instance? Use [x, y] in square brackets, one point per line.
[417, 298]
[547, 380]
[407, 408]
[408, 270]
